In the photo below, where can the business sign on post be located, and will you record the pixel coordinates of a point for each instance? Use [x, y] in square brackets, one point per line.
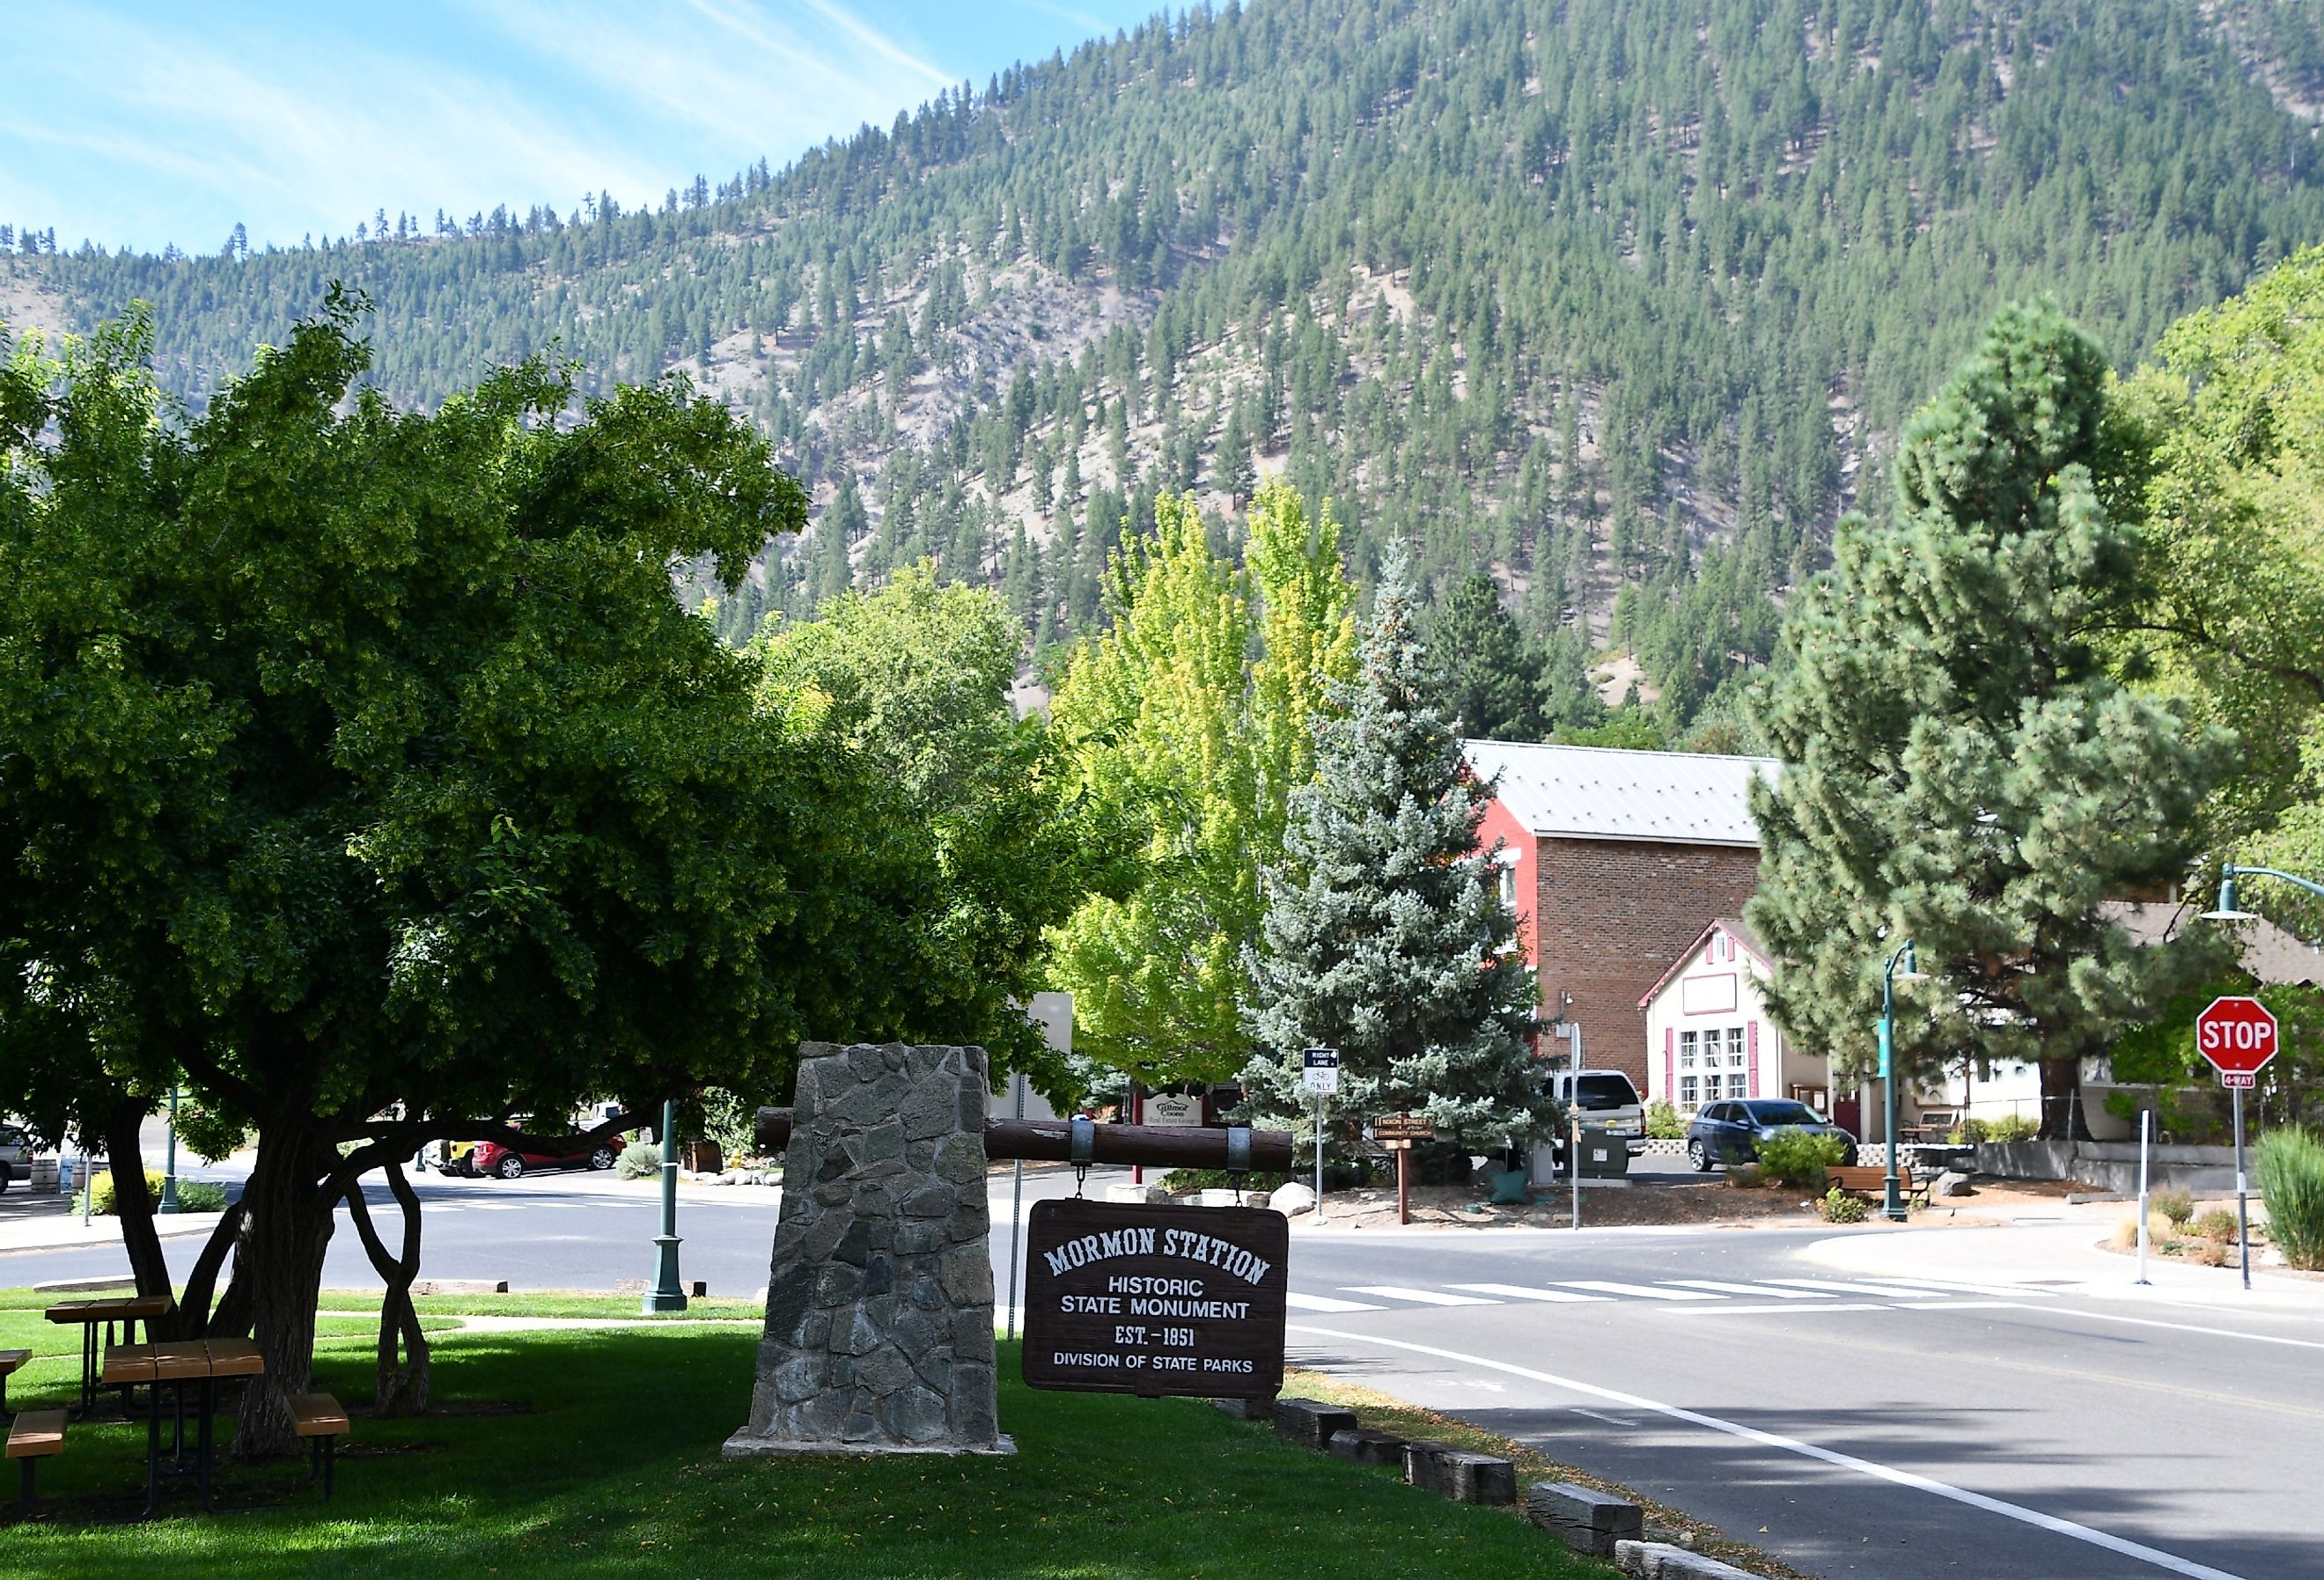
[1172, 1108]
[2238, 1037]
[1134, 1298]
[1320, 1071]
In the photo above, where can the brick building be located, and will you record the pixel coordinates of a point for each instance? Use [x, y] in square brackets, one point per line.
[1616, 859]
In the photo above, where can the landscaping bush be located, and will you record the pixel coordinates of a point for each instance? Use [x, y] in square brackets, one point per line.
[2291, 1169]
[1839, 1207]
[1662, 1122]
[2014, 1127]
[194, 1196]
[2208, 1253]
[1745, 1177]
[2176, 1205]
[1800, 1156]
[2219, 1224]
[639, 1161]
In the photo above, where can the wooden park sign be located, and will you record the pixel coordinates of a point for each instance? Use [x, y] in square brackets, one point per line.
[1397, 1133]
[1138, 1299]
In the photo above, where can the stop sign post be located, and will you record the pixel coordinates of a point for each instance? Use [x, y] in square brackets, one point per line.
[2237, 1036]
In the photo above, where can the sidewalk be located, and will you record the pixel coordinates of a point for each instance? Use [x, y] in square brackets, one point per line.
[2066, 1259]
[49, 1223]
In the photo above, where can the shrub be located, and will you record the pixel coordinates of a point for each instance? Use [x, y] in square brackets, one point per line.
[639, 1161]
[1840, 1207]
[2177, 1205]
[2291, 1169]
[2014, 1127]
[1662, 1122]
[2219, 1224]
[2209, 1253]
[1745, 1177]
[1800, 1156]
[194, 1196]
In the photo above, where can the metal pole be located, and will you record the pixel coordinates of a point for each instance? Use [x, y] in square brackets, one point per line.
[668, 1294]
[1573, 1151]
[1319, 1156]
[2243, 1202]
[1892, 1206]
[2145, 1130]
[1016, 1213]
[87, 1181]
[170, 1158]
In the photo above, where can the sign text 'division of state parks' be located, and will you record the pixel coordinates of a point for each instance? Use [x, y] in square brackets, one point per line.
[1134, 1298]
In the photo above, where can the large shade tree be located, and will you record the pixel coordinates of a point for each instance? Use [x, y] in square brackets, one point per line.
[361, 768]
[1960, 769]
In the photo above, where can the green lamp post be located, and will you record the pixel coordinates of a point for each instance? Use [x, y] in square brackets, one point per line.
[170, 1158]
[667, 1294]
[1892, 1206]
[2230, 911]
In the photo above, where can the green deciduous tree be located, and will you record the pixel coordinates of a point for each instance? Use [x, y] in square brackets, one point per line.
[1385, 934]
[1960, 768]
[363, 767]
[1179, 729]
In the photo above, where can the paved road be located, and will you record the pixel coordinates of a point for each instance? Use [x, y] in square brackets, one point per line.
[1901, 1428]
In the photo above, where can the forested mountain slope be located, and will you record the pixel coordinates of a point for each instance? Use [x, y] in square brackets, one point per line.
[1603, 294]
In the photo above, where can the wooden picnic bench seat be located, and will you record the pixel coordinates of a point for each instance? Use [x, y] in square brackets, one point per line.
[318, 1417]
[1870, 1181]
[35, 1436]
[10, 1362]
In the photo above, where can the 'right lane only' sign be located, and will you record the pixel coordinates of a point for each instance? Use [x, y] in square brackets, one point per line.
[1124, 1297]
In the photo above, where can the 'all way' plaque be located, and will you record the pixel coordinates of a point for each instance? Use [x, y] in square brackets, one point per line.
[1135, 1298]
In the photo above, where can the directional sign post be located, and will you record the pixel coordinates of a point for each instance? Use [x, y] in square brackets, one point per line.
[1319, 1072]
[2237, 1037]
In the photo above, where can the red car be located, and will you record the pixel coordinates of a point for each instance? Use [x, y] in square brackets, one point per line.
[492, 1158]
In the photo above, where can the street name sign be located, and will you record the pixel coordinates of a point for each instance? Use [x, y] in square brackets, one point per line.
[1319, 1071]
[2238, 1037]
[1402, 1127]
[1128, 1298]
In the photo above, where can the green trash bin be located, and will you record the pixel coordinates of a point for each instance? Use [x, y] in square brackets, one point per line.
[1605, 1154]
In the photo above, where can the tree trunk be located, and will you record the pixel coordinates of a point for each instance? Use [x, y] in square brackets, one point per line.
[131, 1202]
[193, 1318]
[403, 1388]
[2062, 1118]
[279, 1270]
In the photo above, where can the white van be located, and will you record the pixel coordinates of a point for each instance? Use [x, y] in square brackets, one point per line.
[1605, 1098]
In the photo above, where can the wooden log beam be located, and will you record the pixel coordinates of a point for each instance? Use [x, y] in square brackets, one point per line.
[1050, 1140]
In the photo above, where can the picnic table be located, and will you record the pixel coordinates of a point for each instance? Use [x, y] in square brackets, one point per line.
[127, 1311]
[198, 1361]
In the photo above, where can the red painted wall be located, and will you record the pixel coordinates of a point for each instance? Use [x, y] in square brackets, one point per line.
[1499, 824]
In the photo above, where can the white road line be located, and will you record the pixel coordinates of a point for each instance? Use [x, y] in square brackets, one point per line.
[499, 1206]
[1955, 1287]
[2257, 1338]
[1786, 1310]
[1524, 1292]
[1890, 1473]
[1832, 1286]
[1418, 1297]
[1325, 1303]
[1636, 1292]
[1761, 1290]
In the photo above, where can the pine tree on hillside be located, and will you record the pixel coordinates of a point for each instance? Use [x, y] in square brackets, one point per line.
[1960, 769]
[1491, 673]
[1385, 934]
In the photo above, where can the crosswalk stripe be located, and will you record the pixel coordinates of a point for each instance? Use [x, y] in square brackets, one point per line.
[1893, 1292]
[1325, 1303]
[1819, 1308]
[1419, 1297]
[1956, 1287]
[1761, 1290]
[1640, 1291]
[1522, 1292]
[498, 1206]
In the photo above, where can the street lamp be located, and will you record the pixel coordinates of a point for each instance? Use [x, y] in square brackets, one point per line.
[2227, 910]
[1892, 1206]
[170, 1165]
[668, 1294]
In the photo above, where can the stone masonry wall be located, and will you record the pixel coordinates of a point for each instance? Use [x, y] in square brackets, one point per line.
[879, 1334]
[1612, 915]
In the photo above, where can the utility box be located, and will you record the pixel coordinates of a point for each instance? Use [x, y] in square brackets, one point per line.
[1604, 1154]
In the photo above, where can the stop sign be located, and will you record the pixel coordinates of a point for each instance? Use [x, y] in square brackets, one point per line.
[2238, 1035]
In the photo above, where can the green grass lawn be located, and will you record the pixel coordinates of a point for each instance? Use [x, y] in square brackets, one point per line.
[615, 1471]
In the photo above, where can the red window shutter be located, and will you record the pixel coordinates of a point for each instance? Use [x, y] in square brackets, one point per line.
[1752, 1057]
[1670, 1065]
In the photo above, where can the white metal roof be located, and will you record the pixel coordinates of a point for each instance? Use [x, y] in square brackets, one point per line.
[1607, 793]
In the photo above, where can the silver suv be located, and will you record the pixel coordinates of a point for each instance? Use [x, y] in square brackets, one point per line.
[1604, 1098]
[15, 1153]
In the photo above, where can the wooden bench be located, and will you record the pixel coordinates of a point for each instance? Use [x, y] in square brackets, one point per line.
[10, 1362]
[1871, 1182]
[318, 1417]
[35, 1436]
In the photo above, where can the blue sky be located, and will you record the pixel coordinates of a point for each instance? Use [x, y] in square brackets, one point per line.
[146, 123]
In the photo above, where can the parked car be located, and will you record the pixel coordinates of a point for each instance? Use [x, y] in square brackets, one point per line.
[491, 1158]
[16, 1154]
[1731, 1133]
[1604, 1098]
[455, 1158]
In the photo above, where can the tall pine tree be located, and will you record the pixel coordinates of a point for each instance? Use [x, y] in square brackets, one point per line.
[1385, 935]
[1491, 673]
[1960, 769]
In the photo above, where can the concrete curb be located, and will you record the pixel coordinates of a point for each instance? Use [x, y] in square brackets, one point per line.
[1656, 1560]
